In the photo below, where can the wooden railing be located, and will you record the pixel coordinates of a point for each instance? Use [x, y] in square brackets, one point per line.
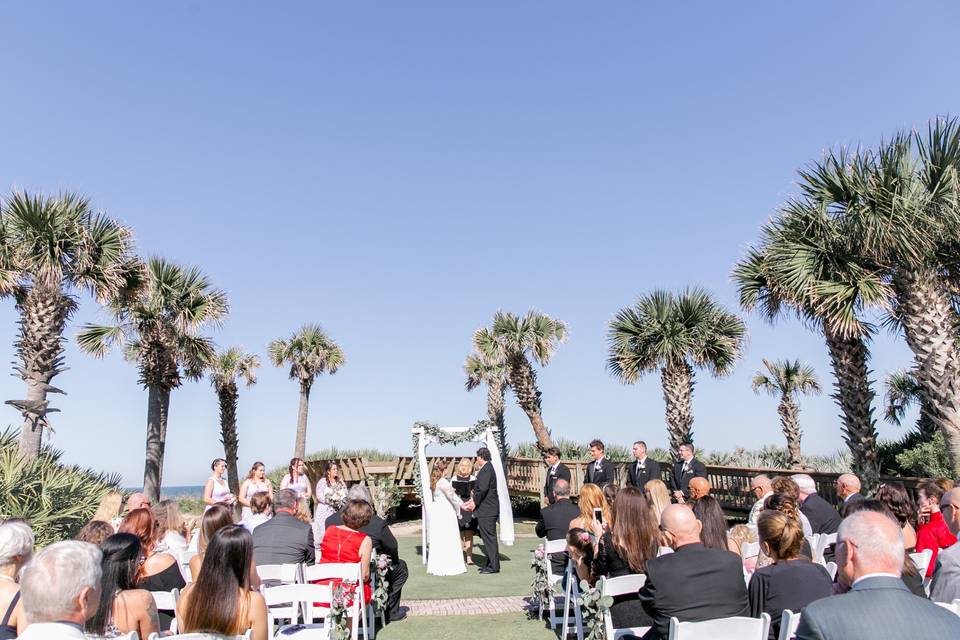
[525, 477]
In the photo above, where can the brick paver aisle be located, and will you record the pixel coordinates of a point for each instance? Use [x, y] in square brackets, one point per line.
[466, 606]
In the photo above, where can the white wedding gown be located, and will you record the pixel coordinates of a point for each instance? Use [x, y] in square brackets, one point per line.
[445, 554]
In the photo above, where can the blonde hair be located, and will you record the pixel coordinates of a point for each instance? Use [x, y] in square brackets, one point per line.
[591, 497]
[439, 470]
[782, 534]
[465, 467]
[741, 533]
[659, 497]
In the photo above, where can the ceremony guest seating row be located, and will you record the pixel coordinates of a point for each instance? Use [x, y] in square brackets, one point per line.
[741, 628]
[617, 587]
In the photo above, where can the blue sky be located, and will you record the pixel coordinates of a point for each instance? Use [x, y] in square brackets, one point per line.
[399, 171]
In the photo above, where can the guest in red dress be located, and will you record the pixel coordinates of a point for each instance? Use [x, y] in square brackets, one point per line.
[932, 533]
[345, 543]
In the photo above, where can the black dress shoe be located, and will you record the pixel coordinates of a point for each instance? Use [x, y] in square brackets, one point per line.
[397, 616]
[488, 570]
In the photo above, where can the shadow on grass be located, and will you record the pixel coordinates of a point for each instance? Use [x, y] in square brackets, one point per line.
[475, 556]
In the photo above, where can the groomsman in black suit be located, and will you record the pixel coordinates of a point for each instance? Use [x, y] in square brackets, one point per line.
[685, 470]
[601, 471]
[644, 469]
[555, 471]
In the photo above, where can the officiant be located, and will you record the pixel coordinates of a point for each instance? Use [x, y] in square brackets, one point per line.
[463, 483]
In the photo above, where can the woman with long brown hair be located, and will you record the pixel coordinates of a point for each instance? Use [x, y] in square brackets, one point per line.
[445, 557]
[330, 495]
[215, 518]
[225, 604]
[296, 479]
[159, 571]
[591, 504]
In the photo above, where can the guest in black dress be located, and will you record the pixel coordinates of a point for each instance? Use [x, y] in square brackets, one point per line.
[624, 549]
[159, 571]
[463, 483]
[791, 582]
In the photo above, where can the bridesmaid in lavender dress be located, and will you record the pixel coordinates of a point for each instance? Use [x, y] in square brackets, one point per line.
[296, 479]
[329, 484]
[256, 482]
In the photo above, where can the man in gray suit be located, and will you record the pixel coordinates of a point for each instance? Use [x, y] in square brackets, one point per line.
[878, 606]
[946, 577]
[283, 539]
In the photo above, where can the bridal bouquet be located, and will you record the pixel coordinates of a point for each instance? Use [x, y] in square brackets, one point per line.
[336, 495]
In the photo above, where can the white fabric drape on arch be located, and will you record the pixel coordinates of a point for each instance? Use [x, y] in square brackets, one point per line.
[507, 534]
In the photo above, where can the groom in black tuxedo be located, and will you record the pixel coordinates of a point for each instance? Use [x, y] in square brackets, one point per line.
[485, 505]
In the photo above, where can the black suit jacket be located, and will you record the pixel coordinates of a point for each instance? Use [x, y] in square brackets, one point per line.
[563, 473]
[680, 481]
[485, 495]
[283, 540]
[553, 525]
[850, 503]
[821, 514]
[693, 584]
[606, 475]
[650, 472]
[380, 534]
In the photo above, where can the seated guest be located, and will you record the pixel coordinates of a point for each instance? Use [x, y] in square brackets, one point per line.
[123, 607]
[848, 490]
[791, 582]
[624, 549]
[556, 470]
[60, 589]
[788, 506]
[171, 532]
[16, 547]
[946, 577]
[284, 539]
[259, 509]
[738, 536]
[693, 583]
[713, 529]
[699, 487]
[786, 486]
[95, 532]
[159, 571]
[222, 599]
[821, 514]
[215, 518]
[657, 495]
[933, 533]
[463, 483]
[685, 470]
[383, 543]
[555, 521]
[591, 504]
[910, 575]
[346, 543]
[945, 483]
[760, 487]
[610, 492]
[878, 605]
[580, 552]
[895, 497]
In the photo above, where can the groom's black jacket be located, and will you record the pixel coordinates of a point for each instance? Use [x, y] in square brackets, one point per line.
[485, 493]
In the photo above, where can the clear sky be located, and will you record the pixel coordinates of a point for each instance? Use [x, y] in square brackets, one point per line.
[399, 171]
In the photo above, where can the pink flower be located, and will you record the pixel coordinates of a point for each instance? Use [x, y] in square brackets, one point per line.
[585, 537]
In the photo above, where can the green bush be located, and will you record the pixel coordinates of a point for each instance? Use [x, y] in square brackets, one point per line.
[926, 459]
[889, 450]
[331, 453]
[56, 499]
[190, 506]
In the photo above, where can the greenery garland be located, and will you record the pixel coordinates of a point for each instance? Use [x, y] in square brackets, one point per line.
[339, 612]
[593, 606]
[381, 592]
[540, 587]
[442, 437]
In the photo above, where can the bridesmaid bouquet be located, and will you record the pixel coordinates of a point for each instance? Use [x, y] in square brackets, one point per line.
[335, 496]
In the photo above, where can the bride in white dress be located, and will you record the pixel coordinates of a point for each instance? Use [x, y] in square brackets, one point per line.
[445, 554]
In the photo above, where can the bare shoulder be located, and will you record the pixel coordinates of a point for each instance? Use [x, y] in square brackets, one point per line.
[158, 562]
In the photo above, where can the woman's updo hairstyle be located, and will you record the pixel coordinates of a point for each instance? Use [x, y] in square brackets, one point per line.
[784, 504]
[782, 534]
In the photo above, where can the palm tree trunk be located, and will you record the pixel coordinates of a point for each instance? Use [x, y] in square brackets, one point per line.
[677, 381]
[854, 395]
[930, 326]
[790, 422]
[496, 394]
[228, 436]
[158, 405]
[300, 447]
[523, 380]
[44, 312]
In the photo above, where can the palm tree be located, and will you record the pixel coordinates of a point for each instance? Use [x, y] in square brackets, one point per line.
[515, 340]
[904, 391]
[673, 334]
[52, 247]
[485, 367]
[158, 328]
[309, 352]
[788, 380]
[225, 369]
[804, 265]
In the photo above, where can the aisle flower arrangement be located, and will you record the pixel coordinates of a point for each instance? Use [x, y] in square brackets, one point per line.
[383, 585]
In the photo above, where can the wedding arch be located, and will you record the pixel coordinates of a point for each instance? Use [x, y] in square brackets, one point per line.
[425, 434]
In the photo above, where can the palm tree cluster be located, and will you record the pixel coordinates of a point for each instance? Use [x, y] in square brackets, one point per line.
[54, 247]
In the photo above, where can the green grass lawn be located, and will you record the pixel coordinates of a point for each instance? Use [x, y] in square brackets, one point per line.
[507, 626]
[513, 580]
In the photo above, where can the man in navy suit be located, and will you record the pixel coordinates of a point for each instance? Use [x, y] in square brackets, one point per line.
[685, 470]
[601, 471]
[878, 606]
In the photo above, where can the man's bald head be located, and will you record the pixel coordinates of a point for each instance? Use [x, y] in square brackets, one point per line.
[681, 525]
[847, 485]
[869, 542]
[699, 487]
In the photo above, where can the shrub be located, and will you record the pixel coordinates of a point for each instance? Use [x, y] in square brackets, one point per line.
[56, 499]
[190, 506]
[330, 453]
[925, 459]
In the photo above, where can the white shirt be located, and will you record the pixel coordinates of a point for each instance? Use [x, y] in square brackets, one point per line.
[52, 631]
[596, 465]
[553, 469]
[871, 575]
[642, 462]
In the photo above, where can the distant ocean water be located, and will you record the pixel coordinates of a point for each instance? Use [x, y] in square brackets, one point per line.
[185, 491]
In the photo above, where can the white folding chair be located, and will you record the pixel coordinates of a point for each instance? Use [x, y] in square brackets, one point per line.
[346, 572]
[133, 635]
[824, 541]
[571, 596]
[620, 586]
[950, 606]
[831, 569]
[662, 551]
[282, 573]
[549, 548]
[200, 636]
[285, 601]
[813, 541]
[749, 550]
[922, 560]
[788, 624]
[183, 559]
[735, 628]
[372, 608]
[166, 600]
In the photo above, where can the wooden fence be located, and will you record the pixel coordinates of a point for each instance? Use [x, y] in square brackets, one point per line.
[525, 477]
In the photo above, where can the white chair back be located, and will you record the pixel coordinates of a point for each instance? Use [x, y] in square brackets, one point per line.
[317, 607]
[788, 625]
[813, 541]
[133, 635]
[284, 602]
[166, 600]
[346, 572]
[831, 569]
[619, 586]
[953, 607]
[922, 560]
[749, 549]
[199, 636]
[183, 559]
[571, 604]
[283, 573]
[824, 541]
[738, 627]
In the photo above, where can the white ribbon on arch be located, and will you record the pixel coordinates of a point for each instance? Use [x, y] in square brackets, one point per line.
[507, 534]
